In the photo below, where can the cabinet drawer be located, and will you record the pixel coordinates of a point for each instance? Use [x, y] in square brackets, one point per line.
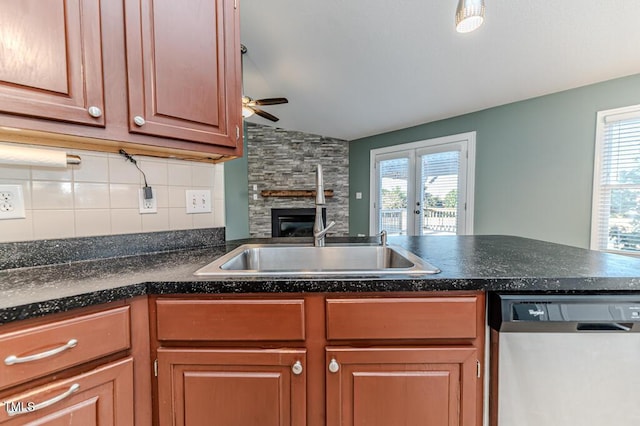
[230, 320]
[39, 350]
[402, 318]
[103, 396]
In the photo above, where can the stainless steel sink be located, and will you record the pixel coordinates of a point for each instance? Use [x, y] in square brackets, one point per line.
[305, 260]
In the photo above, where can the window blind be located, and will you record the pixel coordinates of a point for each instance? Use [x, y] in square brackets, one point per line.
[440, 192]
[394, 180]
[616, 207]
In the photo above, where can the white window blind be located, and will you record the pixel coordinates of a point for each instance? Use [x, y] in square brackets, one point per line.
[440, 192]
[394, 181]
[616, 199]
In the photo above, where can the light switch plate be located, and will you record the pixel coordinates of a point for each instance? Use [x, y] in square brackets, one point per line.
[11, 202]
[198, 201]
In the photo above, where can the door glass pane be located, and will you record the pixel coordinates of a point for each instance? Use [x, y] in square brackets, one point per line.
[439, 193]
[394, 178]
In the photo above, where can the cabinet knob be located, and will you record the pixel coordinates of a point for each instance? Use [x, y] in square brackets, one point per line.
[297, 368]
[94, 111]
[334, 367]
[139, 120]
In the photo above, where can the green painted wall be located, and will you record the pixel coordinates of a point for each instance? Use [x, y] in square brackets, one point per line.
[236, 194]
[534, 162]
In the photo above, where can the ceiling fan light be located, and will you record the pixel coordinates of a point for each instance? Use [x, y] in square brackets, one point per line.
[247, 112]
[469, 15]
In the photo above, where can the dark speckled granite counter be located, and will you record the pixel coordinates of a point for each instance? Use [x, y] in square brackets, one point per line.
[489, 263]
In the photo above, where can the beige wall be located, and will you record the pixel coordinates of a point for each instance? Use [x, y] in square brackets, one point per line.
[100, 197]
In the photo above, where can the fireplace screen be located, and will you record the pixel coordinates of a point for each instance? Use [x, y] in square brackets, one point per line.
[294, 222]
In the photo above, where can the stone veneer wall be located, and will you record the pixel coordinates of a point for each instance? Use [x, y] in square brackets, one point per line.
[283, 159]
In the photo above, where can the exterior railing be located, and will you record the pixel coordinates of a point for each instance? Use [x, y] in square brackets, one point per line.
[440, 219]
[434, 220]
[394, 221]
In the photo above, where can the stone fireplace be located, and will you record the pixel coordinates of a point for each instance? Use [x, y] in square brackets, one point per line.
[279, 159]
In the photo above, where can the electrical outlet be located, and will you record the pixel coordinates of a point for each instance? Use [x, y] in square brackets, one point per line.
[147, 206]
[198, 201]
[11, 202]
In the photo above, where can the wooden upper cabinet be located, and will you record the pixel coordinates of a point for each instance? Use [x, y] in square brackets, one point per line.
[183, 70]
[51, 64]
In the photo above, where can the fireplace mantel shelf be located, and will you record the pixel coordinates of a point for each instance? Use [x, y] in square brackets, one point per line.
[294, 193]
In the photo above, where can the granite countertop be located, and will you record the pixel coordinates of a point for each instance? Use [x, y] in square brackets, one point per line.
[489, 263]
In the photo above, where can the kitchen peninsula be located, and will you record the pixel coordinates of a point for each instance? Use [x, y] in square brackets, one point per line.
[309, 333]
[486, 263]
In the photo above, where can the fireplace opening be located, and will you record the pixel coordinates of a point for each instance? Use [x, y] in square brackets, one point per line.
[294, 222]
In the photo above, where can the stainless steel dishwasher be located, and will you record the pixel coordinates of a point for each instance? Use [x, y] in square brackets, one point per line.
[565, 360]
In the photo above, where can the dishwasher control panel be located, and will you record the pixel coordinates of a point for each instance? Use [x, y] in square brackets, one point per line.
[568, 313]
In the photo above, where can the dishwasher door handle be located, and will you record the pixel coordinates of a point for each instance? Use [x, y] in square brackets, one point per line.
[604, 326]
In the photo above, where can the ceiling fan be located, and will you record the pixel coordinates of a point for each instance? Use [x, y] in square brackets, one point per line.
[249, 105]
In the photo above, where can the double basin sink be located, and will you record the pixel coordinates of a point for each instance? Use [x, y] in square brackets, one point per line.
[290, 260]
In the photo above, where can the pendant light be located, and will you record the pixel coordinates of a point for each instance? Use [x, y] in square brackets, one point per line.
[469, 15]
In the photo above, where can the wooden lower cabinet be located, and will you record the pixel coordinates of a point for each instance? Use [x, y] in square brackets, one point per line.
[103, 397]
[401, 386]
[242, 387]
[369, 360]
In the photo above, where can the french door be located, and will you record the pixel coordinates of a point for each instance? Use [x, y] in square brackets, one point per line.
[424, 188]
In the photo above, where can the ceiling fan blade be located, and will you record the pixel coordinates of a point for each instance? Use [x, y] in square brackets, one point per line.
[271, 101]
[265, 114]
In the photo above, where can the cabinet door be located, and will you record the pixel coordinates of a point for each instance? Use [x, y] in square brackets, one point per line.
[216, 387]
[51, 63]
[183, 69]
[401, 386]
[103, 396]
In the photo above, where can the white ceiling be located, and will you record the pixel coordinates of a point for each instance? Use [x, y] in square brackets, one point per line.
[355, 68]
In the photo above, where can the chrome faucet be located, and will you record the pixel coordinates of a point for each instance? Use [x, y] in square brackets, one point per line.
[319, 230]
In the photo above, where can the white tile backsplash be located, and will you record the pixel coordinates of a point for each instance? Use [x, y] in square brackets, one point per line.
[100, 197]
[157, 172]
[124, 196]
[125, 221]
[87, 195]
[178, 219]
[51, 223]
[52, 173]
[202, 176]
[203, 220]
[91, 223]
[94, 168]
[179, 173]
[46, 195]
[123, 171]
[156, 222]
[14, 172]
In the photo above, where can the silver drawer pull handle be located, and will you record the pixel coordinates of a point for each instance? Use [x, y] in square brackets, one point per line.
[31, 408]
[12, 359]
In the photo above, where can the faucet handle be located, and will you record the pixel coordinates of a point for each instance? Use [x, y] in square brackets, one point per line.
[383, 237]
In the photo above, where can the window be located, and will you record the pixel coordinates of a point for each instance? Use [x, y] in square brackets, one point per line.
[424, 188]
[615, 217]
